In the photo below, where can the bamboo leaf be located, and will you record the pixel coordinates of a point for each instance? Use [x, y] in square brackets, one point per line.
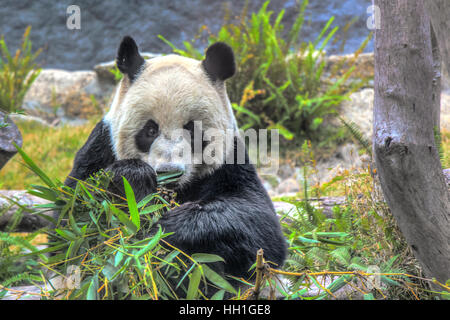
[194, 283]
[218, 280]
[154, 241]
[34, 167]
[218, 295]
[206, 258]
[131, 227]
[369, 296]
[93, 288]
[132, 205]
[153, 208]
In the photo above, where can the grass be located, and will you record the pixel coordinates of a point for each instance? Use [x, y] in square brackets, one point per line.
[17, 72]
[53, 148]
[107, 240]
[361, 235]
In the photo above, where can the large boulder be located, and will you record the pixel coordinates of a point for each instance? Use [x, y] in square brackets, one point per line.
[10, 200]
[60, 96]
[337, 65]
[364, 64]
[359, 109]
[104, 69]
[445, 111]
[9, 133]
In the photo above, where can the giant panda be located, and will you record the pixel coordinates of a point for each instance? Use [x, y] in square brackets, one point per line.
[224, 209]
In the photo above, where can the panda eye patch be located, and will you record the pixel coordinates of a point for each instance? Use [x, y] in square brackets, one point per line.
[147, 135]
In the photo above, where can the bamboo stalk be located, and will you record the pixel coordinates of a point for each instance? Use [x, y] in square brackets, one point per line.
[259, 273]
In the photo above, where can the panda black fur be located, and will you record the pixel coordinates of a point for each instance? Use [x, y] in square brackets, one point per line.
[224, 209]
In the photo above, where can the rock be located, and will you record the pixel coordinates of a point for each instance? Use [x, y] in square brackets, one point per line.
[346, 157]
[269, 182]
[23, 117]
[359, 109]
[67, 96]
[268, 187]
[284, 208]
[8, 133]
[445, 111]
[286, 171]
[104, 73]
[337, 65]
[40, 289]
[346, 292]
[288, 186]
[29, 222]
[326, 204]
[24, 293]
[365, 67]
[446, 173]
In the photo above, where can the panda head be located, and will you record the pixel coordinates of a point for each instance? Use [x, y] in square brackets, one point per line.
[173, 112]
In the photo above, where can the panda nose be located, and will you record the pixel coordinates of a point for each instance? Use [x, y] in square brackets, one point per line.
[166, 168]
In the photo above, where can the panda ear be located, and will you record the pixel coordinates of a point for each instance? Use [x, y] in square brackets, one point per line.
[219, 62]
[128, 60]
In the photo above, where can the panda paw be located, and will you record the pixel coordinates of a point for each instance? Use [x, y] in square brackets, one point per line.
[139, 174]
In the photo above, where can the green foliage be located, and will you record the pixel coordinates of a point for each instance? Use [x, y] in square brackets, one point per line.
[340, 244]
[356, 133]
[281, 83]
[53, 148]
[3, 122]
[439, 144]
[110, 242]
[12, 272]
[445, 143]
[117, 74]
[17, 73]
[359, 236]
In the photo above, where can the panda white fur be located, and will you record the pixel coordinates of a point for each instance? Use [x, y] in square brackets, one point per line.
[224, 209]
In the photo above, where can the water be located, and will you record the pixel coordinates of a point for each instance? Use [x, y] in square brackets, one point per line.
[104, 23]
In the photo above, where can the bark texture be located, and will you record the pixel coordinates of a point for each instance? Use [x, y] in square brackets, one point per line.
[406, 111]
[439, 14]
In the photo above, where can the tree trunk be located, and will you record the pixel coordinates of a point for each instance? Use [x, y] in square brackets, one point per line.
[439, 13]
[405, 113]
